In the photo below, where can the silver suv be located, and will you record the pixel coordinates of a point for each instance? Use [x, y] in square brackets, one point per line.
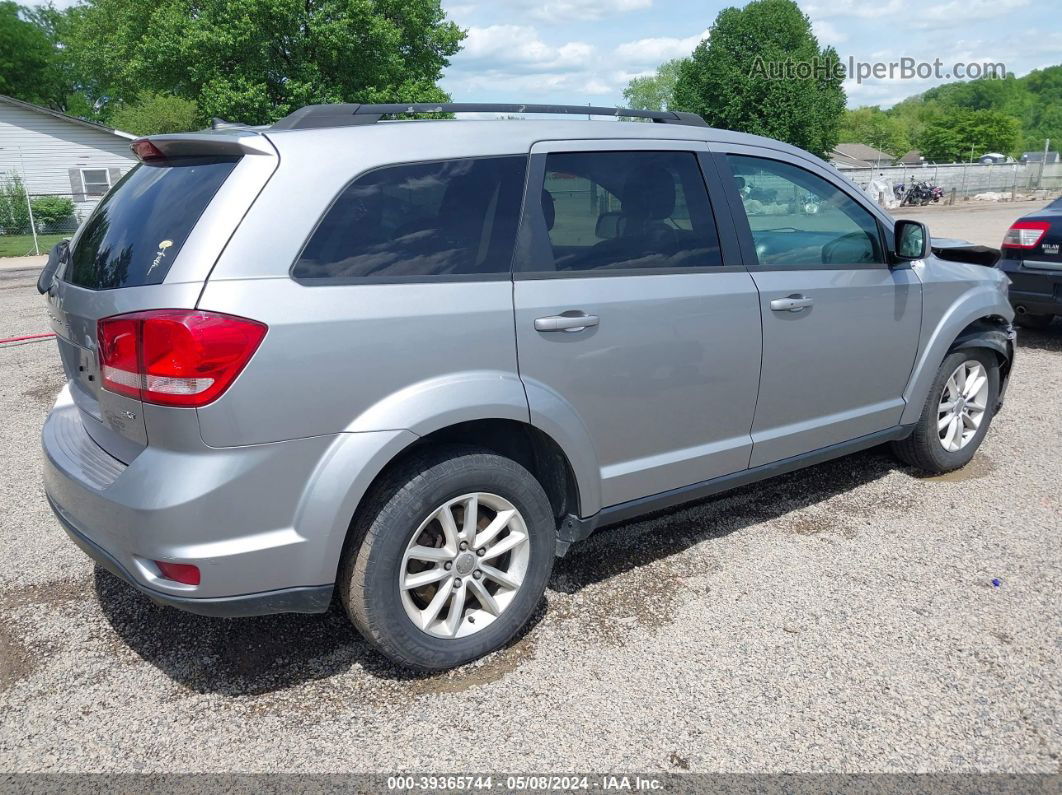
[411, 362]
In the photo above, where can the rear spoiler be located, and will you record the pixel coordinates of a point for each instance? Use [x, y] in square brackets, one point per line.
[229, 143]
[964, 251]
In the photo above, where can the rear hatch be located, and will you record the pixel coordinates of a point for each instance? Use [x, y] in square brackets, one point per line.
[149, 244]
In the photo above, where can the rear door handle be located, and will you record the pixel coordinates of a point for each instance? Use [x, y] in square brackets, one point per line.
[794, 303]
[566, 321]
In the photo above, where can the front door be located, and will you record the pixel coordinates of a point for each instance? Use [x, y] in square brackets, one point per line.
[629, 317]
[840, 327]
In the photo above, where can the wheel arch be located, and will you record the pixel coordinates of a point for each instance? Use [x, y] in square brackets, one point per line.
[360, 462]
[980, 319]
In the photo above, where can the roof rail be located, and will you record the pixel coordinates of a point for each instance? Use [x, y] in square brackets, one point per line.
[347, 115]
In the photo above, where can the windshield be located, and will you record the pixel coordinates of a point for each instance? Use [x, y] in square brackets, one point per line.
[136, 231]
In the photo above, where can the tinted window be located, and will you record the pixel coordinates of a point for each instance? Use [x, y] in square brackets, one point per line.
[799, 219]
[426, 219]
[135, 233]
[628, 210]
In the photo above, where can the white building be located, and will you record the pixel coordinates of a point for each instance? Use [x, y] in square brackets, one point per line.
[60, 155]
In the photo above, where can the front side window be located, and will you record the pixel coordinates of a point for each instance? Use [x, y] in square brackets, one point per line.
[801, 220]
[446, 218]
[96, 181]
[628, 211]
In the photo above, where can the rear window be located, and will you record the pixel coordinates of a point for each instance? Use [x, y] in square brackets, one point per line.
[421, 220]
[136, 231]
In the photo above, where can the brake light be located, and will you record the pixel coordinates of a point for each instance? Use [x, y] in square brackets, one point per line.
[175, 357]
[1025, 234]
[179, 572]
[145, 150]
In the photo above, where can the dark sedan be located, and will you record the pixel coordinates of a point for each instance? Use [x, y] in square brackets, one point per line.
[1032, 261]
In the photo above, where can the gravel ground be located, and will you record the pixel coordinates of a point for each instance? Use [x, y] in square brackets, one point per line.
[838, 619]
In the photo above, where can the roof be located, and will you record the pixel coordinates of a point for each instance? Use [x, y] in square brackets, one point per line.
[18, 103]
[867, 154]
[912, 158]
[508, 136]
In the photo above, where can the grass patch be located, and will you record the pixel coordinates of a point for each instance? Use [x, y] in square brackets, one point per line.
[22, 245]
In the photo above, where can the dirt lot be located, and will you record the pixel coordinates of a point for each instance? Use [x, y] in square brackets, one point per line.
[978, 222]
[843, 618]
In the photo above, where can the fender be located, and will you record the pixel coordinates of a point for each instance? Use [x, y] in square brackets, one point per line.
[437, 403]
[979, 302]
[381, 432]
[557, 418]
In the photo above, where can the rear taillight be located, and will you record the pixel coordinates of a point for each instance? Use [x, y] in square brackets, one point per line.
[175, 357]
[1025, 234]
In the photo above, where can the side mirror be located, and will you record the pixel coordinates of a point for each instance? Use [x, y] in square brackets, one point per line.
[56, 257]
[911, 241]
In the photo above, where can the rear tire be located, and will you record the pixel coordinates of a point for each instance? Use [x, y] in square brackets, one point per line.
[1027, 320]
[431, 591]
[937, 444]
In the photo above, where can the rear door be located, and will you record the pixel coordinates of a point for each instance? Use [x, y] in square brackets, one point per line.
[840, 327]
[633, 312]
[124, 259]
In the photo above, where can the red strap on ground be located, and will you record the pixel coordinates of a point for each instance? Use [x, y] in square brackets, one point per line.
[27, 337]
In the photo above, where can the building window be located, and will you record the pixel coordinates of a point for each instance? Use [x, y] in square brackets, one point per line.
[96, 181]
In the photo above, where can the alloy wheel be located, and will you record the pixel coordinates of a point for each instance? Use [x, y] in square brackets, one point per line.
[464, 565]
[962, 406]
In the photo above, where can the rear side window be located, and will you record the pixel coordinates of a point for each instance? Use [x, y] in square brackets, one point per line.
[608, 211]
[136, 231]
[420, 220]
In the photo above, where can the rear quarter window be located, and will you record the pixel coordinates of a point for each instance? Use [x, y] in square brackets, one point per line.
[452, 218]
[136, 231]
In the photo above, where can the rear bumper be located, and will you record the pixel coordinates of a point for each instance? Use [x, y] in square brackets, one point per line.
[232, 512]
[1035, 286]
[312, 599]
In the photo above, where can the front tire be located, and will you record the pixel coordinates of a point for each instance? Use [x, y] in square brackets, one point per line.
[449, 558]
[956, 414]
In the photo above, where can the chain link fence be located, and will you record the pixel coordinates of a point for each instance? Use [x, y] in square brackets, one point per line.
[31, 222]
[961, 181]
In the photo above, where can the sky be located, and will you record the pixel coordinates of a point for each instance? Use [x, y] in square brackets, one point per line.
[585, 51]
[580, 51]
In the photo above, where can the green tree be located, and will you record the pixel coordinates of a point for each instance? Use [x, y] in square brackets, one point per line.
[966, 134]
[733, 79]
[258, 60]
[14, 211]
[51, 213]
[27, 58]
[157, 113]
[655, 91]
[874, 127]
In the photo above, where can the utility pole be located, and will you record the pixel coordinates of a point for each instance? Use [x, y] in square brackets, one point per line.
[1043, 163]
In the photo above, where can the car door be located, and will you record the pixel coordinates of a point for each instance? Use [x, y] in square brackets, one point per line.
[633, 315]
[840, 327]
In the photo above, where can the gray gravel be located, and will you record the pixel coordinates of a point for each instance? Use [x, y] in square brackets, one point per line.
[842, 618]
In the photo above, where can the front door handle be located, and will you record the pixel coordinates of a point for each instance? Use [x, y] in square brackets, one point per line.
[566, 321]
[794, 303]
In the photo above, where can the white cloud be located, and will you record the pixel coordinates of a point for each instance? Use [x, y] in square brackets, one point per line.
[581, 10]
[965, 11]
[519, 47]
[654, 51]
[827, 33]
[853, 8]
